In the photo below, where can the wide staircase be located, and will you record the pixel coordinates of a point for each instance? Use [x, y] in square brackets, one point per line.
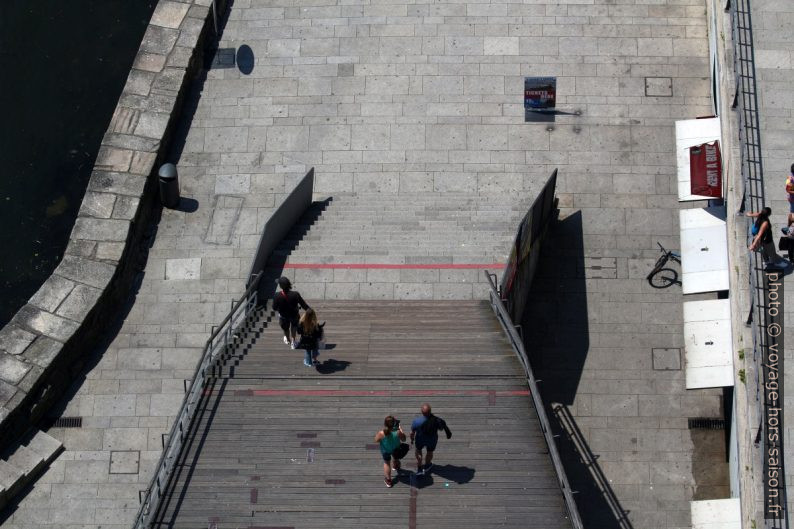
[438, 229]
[278, 444]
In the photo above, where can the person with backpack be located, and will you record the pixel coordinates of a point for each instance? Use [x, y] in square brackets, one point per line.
[311, 333]
[390, 438]
[287, 303]
[424, 430]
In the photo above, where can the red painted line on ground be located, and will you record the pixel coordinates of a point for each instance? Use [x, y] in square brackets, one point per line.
[491, 398]
[384, 393]
[387, 266]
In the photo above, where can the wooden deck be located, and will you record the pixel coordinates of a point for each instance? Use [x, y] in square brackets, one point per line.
[281, 445]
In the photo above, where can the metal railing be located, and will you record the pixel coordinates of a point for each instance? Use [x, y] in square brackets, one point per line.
[276, 228]
[750, 140]
[518, 346]
[753, 181]
[219, 341]
[590, 460]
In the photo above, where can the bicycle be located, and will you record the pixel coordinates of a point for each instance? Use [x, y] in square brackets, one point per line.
[661, 277]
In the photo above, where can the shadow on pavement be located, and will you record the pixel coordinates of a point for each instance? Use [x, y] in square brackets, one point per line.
[326, 367]
[446, 475]
[276, 262]
[556, 336]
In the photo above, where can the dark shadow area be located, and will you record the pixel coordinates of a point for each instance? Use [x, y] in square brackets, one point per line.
[245, 59]
[64, 66]
[187, 205]
[554, 323]
[276, 262]
[447, 474]
[556, 336]
[327, 367]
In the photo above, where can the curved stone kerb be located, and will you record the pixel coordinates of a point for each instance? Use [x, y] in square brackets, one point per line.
[51, 335]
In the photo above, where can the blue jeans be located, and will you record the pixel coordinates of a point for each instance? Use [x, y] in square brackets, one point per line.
[309, 355]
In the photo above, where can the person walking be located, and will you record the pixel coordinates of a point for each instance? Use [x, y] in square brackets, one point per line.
[311, 333]
[762, 238]
[287, 303]
[389, 439]
[424, 430]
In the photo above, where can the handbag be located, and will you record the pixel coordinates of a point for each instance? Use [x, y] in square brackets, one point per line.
[401, 451]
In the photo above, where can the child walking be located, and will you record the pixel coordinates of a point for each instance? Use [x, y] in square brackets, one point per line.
[311, 334]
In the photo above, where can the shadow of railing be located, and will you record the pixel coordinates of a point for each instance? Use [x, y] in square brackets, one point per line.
[573, 442]
[557, 339]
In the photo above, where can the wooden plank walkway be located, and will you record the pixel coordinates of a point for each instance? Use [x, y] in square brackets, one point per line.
[281, 445]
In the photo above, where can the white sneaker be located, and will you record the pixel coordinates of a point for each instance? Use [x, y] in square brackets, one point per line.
[286, 341]
[293, 345]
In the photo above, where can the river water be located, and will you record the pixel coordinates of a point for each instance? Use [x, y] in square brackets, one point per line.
[63, 65]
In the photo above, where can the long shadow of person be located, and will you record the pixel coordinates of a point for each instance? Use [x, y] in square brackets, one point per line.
[326, 367]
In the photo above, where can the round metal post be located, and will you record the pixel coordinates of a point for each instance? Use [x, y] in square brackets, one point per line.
[169, 185]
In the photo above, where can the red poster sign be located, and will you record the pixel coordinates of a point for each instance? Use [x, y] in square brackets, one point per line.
[705, 169]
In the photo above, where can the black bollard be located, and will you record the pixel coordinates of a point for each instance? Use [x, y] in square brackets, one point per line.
[169, 186]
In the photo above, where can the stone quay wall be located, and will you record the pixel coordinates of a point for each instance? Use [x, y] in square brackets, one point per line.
[47, 343]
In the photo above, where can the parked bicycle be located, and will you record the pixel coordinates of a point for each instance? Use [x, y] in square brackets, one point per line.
[661, 277]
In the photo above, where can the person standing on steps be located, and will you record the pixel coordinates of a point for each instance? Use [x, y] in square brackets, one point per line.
[424, 430]
[311, 333]
[389, 439]
[287, 303]
[762, 238]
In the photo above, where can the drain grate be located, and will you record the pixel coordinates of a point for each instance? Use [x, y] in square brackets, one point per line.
[65, 422]
[701, 423]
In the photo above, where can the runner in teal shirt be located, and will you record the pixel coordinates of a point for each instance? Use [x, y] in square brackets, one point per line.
[389, 439]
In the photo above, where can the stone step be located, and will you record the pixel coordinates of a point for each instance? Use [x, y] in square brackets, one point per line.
[408, 242]
[430, 213]
[411, 225]
[10, 480]
[45, 445]
[22, 463]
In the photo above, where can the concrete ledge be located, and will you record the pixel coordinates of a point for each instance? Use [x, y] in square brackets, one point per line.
[47, 342]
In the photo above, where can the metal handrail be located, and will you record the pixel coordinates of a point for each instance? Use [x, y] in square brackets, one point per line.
[518, 347]
[589, 459]
[218, 341]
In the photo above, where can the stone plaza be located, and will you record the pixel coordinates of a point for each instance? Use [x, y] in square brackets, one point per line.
[411, 114]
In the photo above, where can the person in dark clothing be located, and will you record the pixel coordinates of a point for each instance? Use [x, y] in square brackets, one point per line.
[763, 240]
[287, 303]
[311, 333]
[424, 430]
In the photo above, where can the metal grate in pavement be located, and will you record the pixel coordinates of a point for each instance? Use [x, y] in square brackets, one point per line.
[65, 422]
[702, 423]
